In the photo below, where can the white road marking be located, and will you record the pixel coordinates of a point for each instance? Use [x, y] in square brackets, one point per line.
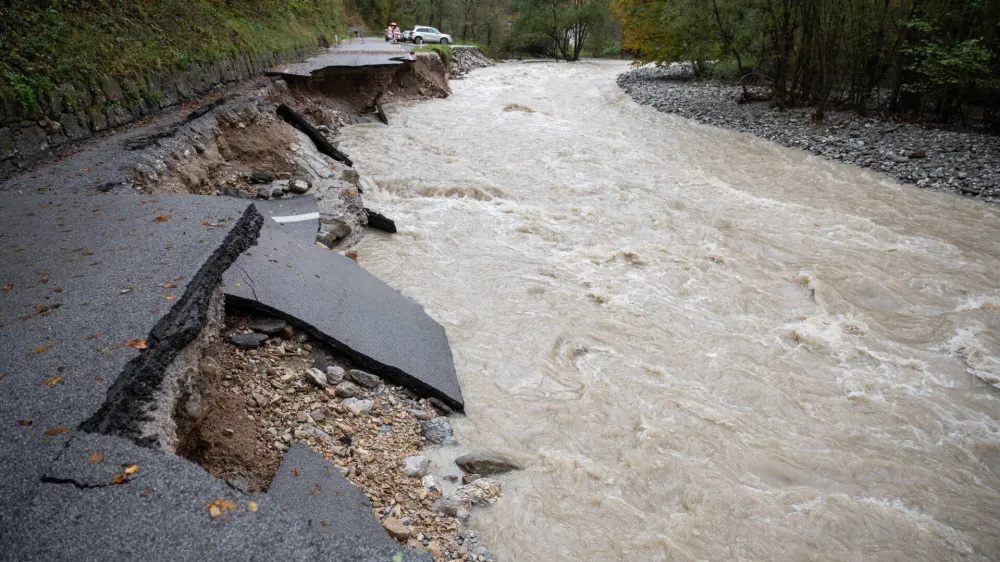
[296, 218]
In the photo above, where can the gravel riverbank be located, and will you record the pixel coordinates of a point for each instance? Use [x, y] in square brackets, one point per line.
[960, 161]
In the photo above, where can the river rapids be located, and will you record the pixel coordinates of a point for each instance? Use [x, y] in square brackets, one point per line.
[702, 345]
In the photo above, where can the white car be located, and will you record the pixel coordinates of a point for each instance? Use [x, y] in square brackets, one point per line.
[423, 34]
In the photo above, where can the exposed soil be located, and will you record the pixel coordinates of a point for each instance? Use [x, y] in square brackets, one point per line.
[254, 403]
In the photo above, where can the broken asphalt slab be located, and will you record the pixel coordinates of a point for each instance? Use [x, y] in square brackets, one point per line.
[161, 511]
[83, 276]
[316, 490]
[98, 294]
[350, 309]
[347, 55]
[295, 216]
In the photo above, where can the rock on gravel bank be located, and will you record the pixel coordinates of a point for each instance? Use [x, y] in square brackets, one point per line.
[962, 161]
[465, 59]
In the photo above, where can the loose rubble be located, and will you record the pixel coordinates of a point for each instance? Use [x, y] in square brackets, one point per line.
[294, 389]
[936, 158]
[465, 59]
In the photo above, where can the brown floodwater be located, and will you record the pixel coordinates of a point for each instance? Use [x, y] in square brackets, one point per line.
[702, 345]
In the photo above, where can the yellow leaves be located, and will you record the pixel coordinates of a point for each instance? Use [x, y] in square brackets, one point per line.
[7, 288]
[138, 343]
[168, 285]
[43, 348]
[161, 218]
[123, 476]
[55, 430]
[219, 506]
[97, 457]
[169, 297]
[53, 381]
[252, 506]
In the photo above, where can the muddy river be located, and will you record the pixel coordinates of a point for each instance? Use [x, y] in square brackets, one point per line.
[702, 345]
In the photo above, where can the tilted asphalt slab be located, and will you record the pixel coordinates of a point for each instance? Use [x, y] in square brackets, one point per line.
[97, 296]
[350, 309]
[318, 492]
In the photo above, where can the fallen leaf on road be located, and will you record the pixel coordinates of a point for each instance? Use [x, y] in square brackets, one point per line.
[97, 457]
[138, 344]
[7, 288]
[168, 285]
[55, 430]
[295, 472]
[44, 280]
[169, 297]
[219, 506]
[25, 423]
[206, 223]
[40, 308]
[252, 506]
[53, 381]
[161, 218]
[131, 469]
[146, 493]
[98, 379]
[43, 348]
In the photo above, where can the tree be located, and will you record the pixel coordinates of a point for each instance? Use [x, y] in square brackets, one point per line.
[917, 58]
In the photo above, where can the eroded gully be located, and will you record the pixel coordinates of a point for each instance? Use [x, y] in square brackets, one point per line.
[704, 346]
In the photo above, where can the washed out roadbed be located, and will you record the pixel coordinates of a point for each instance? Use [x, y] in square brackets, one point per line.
[261, 395]
[963, 161]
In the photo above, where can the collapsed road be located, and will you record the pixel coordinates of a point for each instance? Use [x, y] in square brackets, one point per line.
[117, 263]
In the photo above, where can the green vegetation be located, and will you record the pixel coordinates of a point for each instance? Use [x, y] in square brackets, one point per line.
[46, 43]
[916, 58]
[443, 51]
[564, 28]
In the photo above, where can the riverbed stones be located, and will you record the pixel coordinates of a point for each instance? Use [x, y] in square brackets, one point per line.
[364, 379]
[358, 407]
[437, 431]
[250, 340]
[347, 389]
[269, 326]
[915, 153]
[486, 464]
[396, 529]
[316, 377]
[335, 374]
[482, 492]
[416, 466]
[298, 185]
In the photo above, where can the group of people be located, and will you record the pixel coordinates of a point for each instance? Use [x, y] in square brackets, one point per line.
[393, 33]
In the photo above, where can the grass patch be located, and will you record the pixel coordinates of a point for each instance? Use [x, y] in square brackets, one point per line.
[51, 42]
[443, 51]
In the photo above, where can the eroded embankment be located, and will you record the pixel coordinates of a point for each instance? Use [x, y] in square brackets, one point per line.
[251, 386]
[233, 393]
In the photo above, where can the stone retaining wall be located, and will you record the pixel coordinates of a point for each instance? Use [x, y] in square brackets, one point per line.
[72, 113]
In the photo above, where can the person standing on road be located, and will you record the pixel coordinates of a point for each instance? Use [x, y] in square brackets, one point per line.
[392, 33]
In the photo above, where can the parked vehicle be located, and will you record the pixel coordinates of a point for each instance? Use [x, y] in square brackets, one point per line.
[408, 35]
[423, 34]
